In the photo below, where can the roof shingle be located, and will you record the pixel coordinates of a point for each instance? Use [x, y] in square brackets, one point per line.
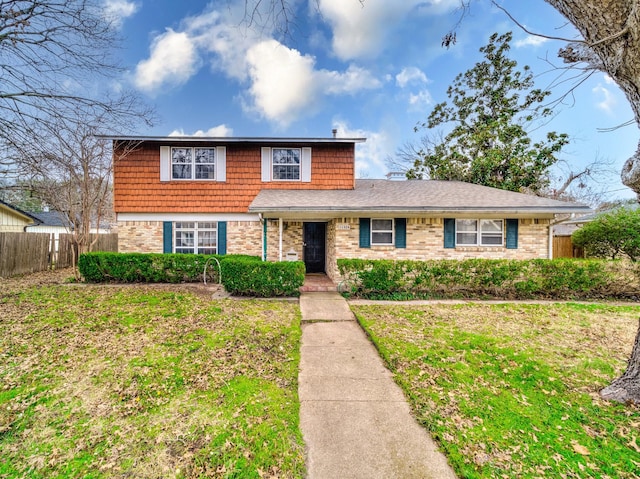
[413, 196]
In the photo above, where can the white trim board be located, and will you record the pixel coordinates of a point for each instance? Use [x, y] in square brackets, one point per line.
[187, 217]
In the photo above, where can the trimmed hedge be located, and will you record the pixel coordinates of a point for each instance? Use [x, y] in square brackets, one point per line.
[482, 278]
[247, 277]
[241, 274]
[100, 267]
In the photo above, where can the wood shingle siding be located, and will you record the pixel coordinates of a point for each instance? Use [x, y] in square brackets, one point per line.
[138, 189]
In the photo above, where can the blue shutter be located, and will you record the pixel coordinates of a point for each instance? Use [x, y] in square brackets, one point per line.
[401, 232]
[449, 233]
[222, 237]
[167, 237]
[365, 233]
[512, 234]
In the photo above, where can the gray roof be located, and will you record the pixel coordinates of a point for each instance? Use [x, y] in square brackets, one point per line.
[412, 197]
[593, 215]
[52, 218]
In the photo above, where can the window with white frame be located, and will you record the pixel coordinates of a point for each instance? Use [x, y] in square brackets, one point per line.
[285, 163]
[479, 232]
[381, 232]
[195, 237]
[193, 163]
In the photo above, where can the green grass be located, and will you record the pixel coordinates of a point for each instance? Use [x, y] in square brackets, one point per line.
[147, 382]
[511, 391]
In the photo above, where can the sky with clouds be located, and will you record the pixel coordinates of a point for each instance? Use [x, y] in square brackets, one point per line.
[369, 69]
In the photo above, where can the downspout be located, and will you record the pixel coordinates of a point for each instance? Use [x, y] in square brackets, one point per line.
[280, 224]
[552, 223]
[264, 236]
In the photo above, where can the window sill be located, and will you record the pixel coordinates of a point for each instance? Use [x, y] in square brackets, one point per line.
[479, 248]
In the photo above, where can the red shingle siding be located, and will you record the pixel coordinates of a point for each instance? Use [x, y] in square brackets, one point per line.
[138, 189]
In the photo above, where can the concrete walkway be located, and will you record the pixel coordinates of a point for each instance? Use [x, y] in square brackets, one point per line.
[354, 418]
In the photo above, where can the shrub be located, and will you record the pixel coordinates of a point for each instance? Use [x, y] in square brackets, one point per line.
[248, 277]
[611, 235]
[241, 274]
[481, 278]
[101, 267]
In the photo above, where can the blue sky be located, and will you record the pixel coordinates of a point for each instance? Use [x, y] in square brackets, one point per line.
[369, 70]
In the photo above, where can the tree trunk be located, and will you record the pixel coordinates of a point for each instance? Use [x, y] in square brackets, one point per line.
[626, 389]
[611, 30]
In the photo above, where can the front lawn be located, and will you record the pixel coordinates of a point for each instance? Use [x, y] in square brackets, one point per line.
[147, 382]
[511, 390]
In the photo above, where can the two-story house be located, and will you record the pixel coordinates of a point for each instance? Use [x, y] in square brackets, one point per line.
[298, 198]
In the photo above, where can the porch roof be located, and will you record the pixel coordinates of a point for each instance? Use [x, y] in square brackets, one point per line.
[409, 198]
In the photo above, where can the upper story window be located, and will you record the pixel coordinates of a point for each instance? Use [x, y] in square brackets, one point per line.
[479, 232]
[381, 232]
[286, 163]
[193, 163]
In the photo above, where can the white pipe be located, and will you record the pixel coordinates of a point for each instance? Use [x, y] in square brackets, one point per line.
[280, 239]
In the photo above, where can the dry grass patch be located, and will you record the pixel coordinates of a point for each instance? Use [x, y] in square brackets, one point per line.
[511, 390]
[139, 381]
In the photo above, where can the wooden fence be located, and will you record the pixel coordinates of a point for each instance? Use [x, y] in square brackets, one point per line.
[563, 248]
[22, 253]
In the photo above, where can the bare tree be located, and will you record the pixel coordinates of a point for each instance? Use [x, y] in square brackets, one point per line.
[54, 57]
[69, 166]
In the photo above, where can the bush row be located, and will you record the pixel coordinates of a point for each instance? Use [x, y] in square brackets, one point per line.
[482, 278]
[248, 277]
[241, 275]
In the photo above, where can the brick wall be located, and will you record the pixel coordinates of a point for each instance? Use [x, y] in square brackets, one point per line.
[291, 239]
[244, 237]
[425, 240]
[140, 236]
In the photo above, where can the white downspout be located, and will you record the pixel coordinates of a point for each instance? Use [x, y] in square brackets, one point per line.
[552, 223]
[280, 239]
[262, 220]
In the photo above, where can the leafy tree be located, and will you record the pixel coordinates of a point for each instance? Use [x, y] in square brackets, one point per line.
[491, 106]
[611, 235]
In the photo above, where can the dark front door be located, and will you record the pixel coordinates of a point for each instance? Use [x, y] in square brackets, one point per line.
[314, 240]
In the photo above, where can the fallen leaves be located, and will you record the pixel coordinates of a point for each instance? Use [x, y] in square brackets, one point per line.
[580, 449]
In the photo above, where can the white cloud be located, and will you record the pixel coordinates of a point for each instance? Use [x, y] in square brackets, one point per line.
[420, 99]
[219, 131]
[281, 83]
[285, 83]
[370, 155]
[360, 29]
[117, 11]
[410, 75]
[282, 80]
[173, 61]
[608, 102]
[530, 41]
[354, 80]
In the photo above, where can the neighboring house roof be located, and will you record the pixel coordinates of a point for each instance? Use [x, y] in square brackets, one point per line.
[566, 228]
[27, 216]
[409, 197]
[52, 218]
